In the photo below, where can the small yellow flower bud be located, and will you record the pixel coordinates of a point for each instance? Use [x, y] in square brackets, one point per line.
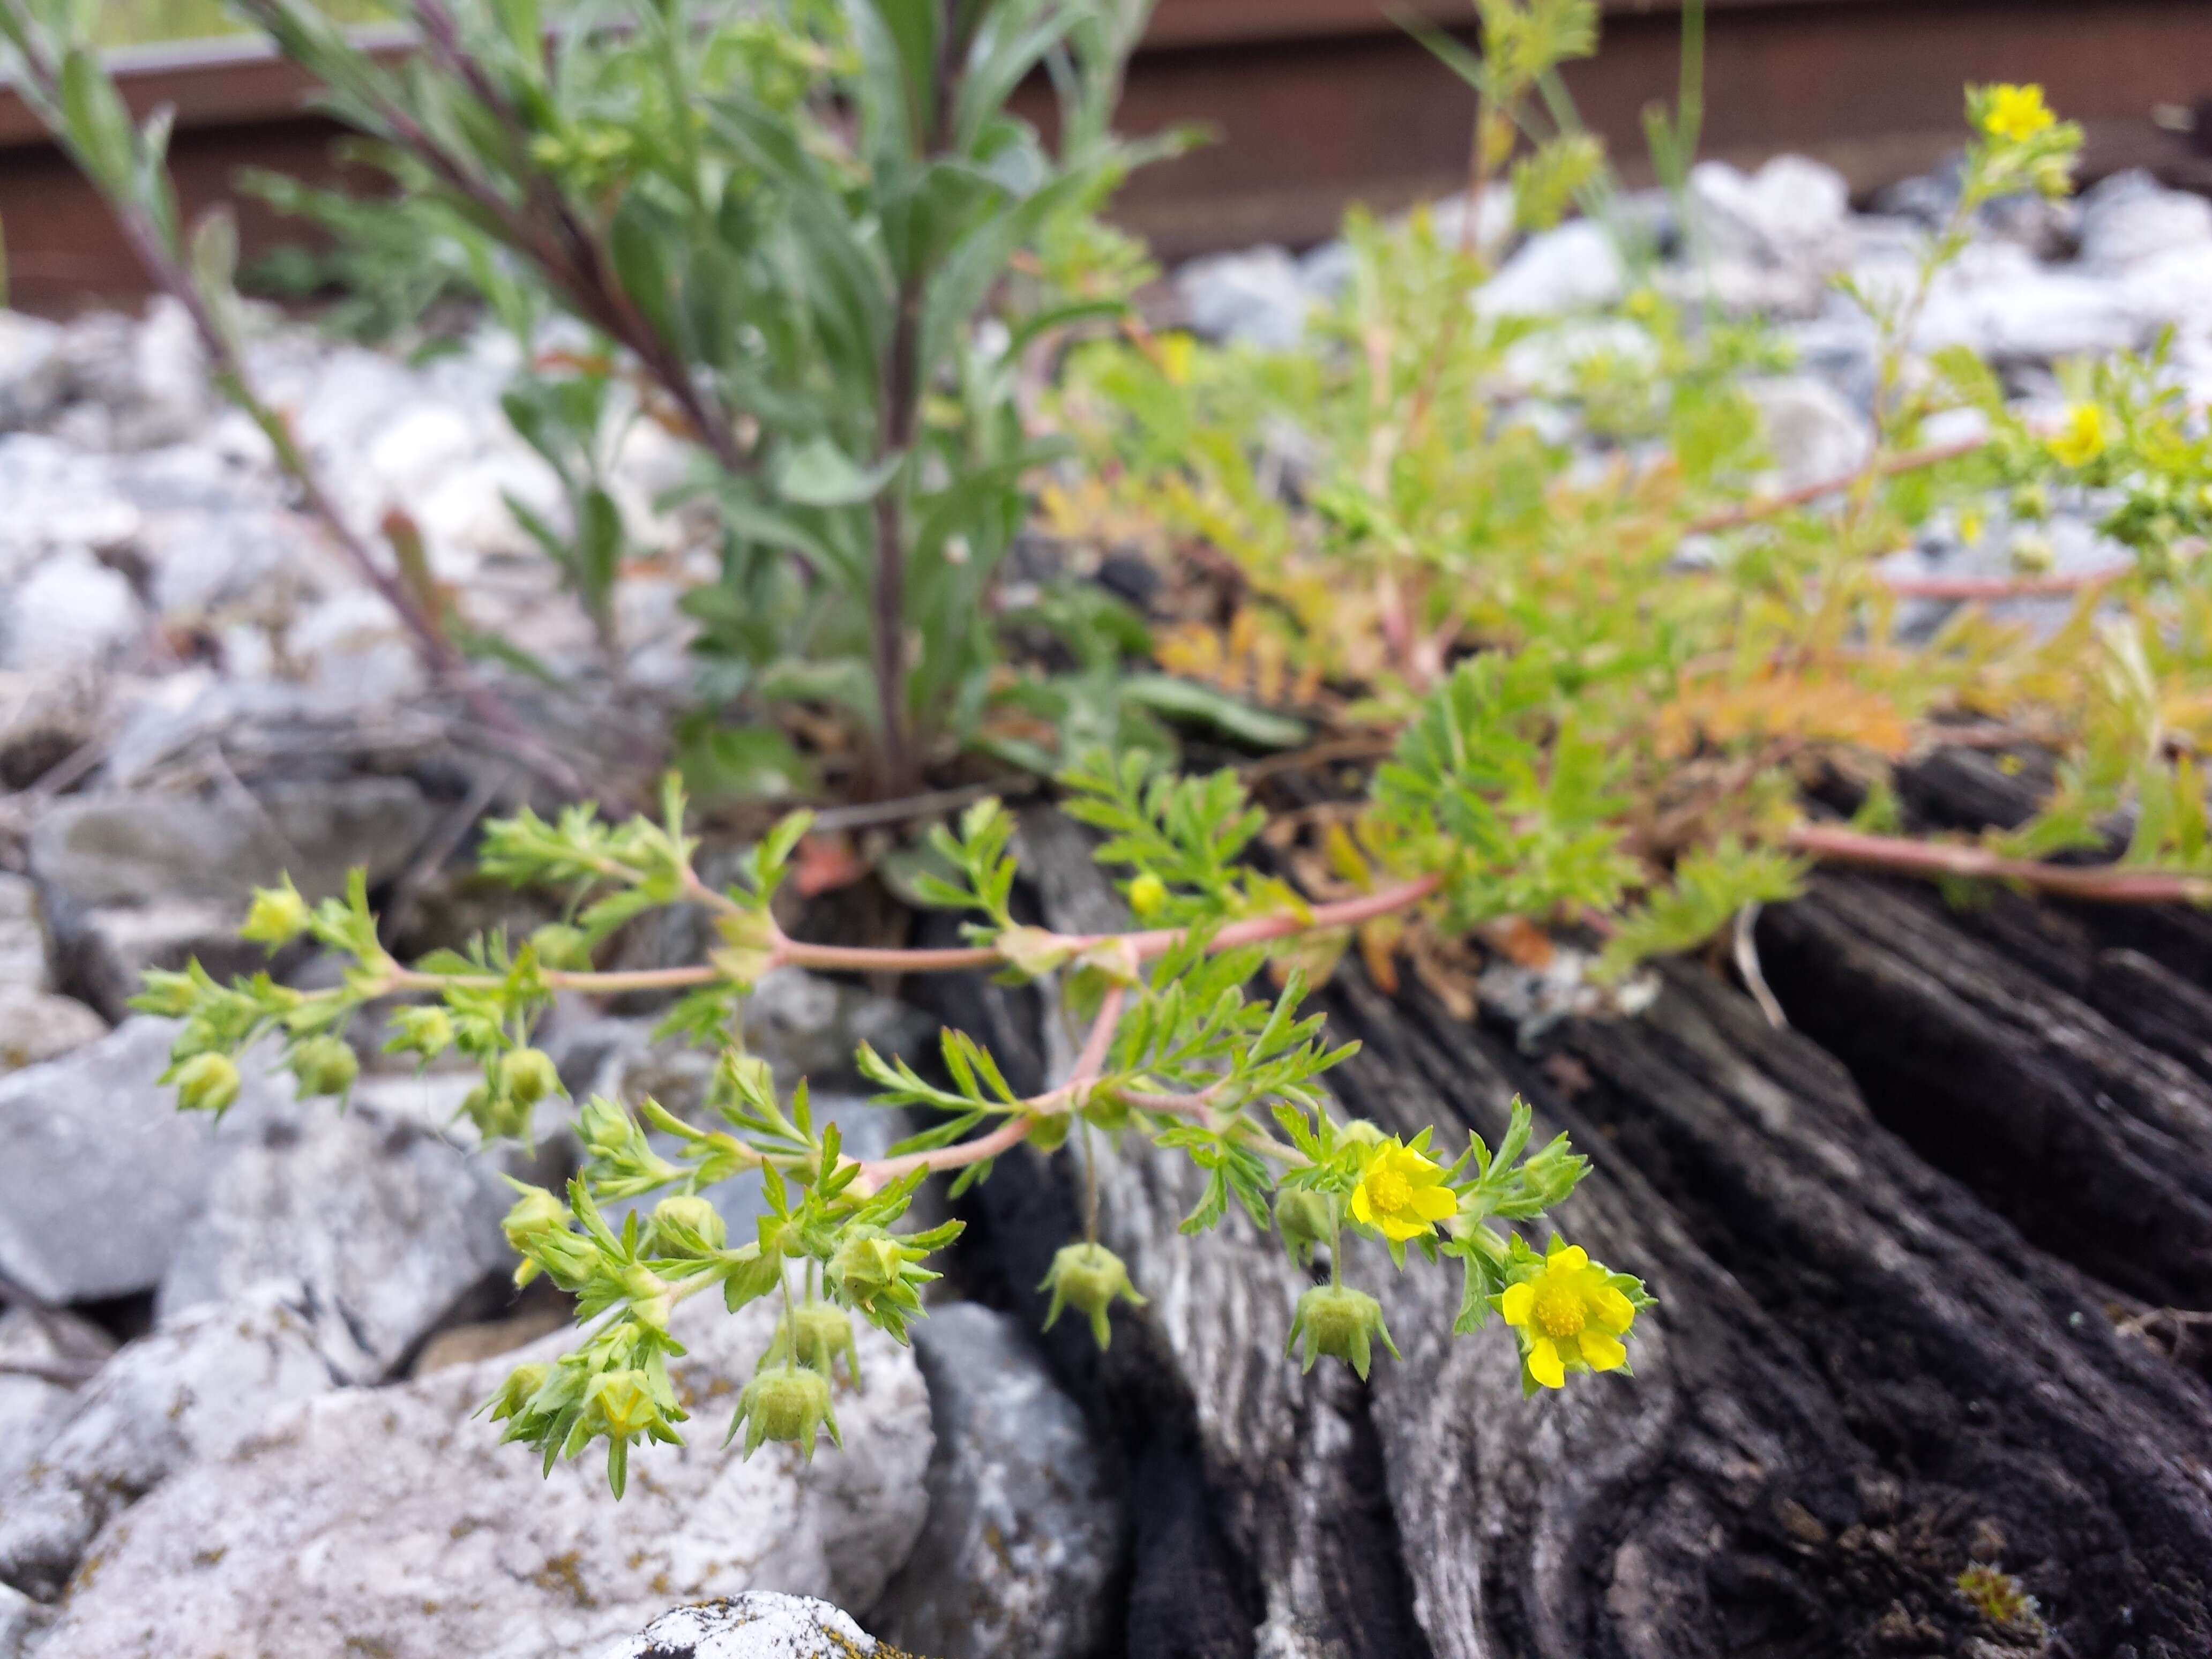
[324, 1065]
[1306, 1219]
[785, 1402]
[206, 1083]
[277, 916]
[688, 1226]
[1088, 1278]
[1148, 895]
[527, 1076]
[1341, 1322]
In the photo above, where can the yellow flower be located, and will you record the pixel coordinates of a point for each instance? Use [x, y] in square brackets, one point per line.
[1401, 1194]
[1148, 895]
[2018, 114]
[2081, 439]
[1569, 1317]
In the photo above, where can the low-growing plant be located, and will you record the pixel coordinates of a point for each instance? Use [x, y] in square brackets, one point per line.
[1178, 1051]
[1654, 658]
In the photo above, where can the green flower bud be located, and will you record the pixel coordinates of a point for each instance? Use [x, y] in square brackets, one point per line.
[1307, 1220]
[688, 1226]
[1360, 1133]
[559, 946]
[205, 1083]
[514, 1395]
[813, 1336]
[496, 1117]
[277, 916]
[868, 1261]
[1341, 1322]
[536, 1213]
[1088, 1278]
[324, 1065]
[527, 1076]
[171, 995]
[785, 1402]
[425, 1032]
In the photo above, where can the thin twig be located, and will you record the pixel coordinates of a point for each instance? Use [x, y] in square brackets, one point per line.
[2103, 884]
[876, 1174]
[1766, 507]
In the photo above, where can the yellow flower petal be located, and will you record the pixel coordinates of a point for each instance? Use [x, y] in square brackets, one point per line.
[1544, 1364]
[1572, 1260]
[1434, 1203]
[1610, 1309]
[1399, 1228]
[1515, 1303]
[1362, 1212]
[1603, 1353]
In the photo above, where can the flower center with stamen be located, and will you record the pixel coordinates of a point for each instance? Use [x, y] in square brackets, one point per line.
[1557, 1312]
[1388, 1191]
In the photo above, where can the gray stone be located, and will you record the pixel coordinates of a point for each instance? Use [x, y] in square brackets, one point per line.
[1258, 295]
[32, 382]
[126, 848]
[71, 611]
[1574, 268]
[392, 1521]
[387, 1226]
[1813, 435]
[26, 952]
[21, 1619]
[2002, 305]
[197, 1390]
[1024, 1528]
[43, 719]
[109, 950]
[45, 1355]
[37, 1026]
[103, 1172]
[757, 1624]
[59, 497]
[2131, 217]
[1770, 240]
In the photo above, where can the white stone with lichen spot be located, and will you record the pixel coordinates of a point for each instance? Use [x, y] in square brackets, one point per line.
[758, 1624]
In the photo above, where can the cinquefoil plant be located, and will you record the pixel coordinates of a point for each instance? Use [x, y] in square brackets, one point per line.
[1177, 1051]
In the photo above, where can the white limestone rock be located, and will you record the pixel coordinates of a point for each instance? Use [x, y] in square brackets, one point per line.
[1024, 1529]
[1813, 435]
[198, 1390]
[1257, 296]
[70, 612]
[101, 1173]
[392, 1521]
[387, 1226]
[45, 1355]
[757, 1624]
[37, 1026]
[1575, 267]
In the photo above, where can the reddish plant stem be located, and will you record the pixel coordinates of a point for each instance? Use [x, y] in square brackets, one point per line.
[1156, 942]
[1744, 513]
[881, 1172]
[2105, 885]
[2003, 587]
